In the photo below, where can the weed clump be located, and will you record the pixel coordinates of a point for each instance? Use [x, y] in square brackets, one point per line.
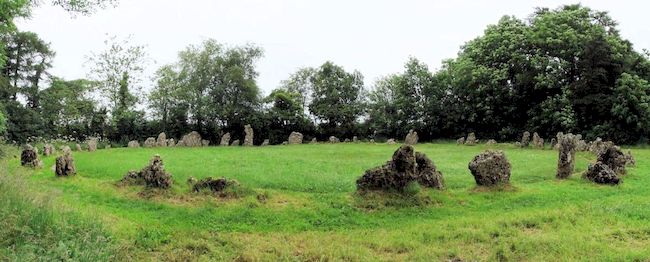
[406, 166]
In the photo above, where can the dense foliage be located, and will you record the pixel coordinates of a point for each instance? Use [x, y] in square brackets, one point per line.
[566, 69]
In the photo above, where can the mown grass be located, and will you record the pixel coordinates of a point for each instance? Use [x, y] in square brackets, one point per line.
[309, 209]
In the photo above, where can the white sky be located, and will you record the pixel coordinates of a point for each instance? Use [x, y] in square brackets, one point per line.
[373, 36]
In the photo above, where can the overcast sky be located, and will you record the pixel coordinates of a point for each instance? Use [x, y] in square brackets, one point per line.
[375, 37]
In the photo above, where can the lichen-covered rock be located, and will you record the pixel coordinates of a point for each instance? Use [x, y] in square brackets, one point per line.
[411, 138]
[295, 138]
[567, 155]
[313, 141]
[192, 139]
[601, 173]
[265, 143]
[248, 138]
[525, 139]
[372, 141]
[596, 146]
[347, 140]
[491, 142]
[162, 140]
[214, 185]
[391, 141]
[538, 141]
[581, 145]
[471, 139]
[48, 149]
[134, 144]
[333, 140]
[152, 175]
[460, 141]
[29, 157]
[629, 159]
[171, 142]
[92, 144]
[613, 157]
[355, 139]
[405, 167]
[150, 142]
[205, 142]
[65, 164]
[490, 168]
[225, 140]
[235, 143]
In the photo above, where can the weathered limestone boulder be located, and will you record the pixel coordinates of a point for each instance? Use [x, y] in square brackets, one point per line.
[29, 157]
[213, 185]
[391, 141]
[491, 142]
[92, 144]
[65, 164]
[553, 143]
[152, 175]
[596, 146]
[225, 140]
[538, 141]
[567, 155]
[406, 166]
[192, 139]
[134, 144]
[411, 138]
[471, 139]
[629, 159]
[601, 173]
[235, 143]
[347, 140]
[525, 139]
[581, 145]
[150, 142]
[78, 147]
[355, 139]
[205, 142]
[613, 157]
[460, 141]
[333, 139]
[162, 140]
[295, 138]
[265, 143]
[313, 141]
[48, 149]
[372, 141]
[490, 168]
[248, 138]
[171, 142]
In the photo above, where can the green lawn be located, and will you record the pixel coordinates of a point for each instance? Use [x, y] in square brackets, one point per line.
[311, 211]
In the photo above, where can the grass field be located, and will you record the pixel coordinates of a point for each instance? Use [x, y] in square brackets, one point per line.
[300, 204]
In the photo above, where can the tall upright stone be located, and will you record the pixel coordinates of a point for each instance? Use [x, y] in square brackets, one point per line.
[65, 164]
[48, 149]
[567, 155]
[162, 140]
[471, 139]
[525, 139]
[411, 138]
[248, 139]
[29, 157]
[225, 140]
[92, 144]
[538, 141]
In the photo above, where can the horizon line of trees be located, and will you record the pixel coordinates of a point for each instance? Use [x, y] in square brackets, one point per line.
[565, 69]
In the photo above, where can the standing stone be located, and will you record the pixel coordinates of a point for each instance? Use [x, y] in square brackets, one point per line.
[372, 141]
[613, 157]
[347, 140]
[65, 164]
[471, 139]
[355, 139]
[490, 168]
[525, 139]
[152, 175]
[629, 159]
[567, 155]
[285, 143]
[134, 144]
[333, 140]
[248, 138]
[538, 141]
[29, 157]
[313, 141]
[491, 142]
[391, 141]
[48, 149]
[601, 173]
[265, 143]
[192, 139]
[78, 147]
[171, 142]
[460, 141]
[295, 138]
[92, 144]
[150, 142]
[411, 138]
[162, 140]
[553, 143]
[205, 142]
[235, 143]
[225, 140]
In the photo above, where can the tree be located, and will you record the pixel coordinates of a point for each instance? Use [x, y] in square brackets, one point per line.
[28, 59]
[284, 116]
[382, 109]
[118, 71]
[165, 95]
[67, 108]
[300, 83]
[337, 98]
